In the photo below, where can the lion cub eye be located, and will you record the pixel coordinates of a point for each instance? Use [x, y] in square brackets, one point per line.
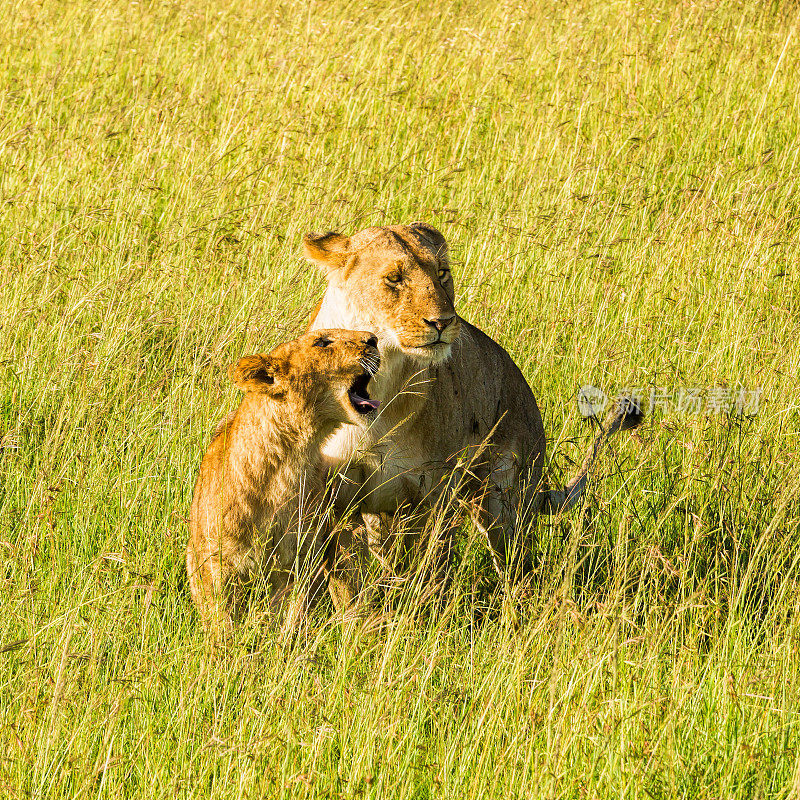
[444, 274]
[323, 341]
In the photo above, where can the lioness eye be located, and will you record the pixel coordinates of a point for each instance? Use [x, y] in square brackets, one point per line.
[443, 274]
[394, 278]
[323, 342]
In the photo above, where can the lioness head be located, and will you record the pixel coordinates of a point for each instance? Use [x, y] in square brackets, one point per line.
[324, 372]
[394, 280]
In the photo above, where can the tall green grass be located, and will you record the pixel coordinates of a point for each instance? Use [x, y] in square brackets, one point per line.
[618, 182]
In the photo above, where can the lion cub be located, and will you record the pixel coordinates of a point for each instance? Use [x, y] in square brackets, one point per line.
[255, 513]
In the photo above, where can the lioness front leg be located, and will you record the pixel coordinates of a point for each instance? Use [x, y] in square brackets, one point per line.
[414, 547]
[347, 563]
[376, 543]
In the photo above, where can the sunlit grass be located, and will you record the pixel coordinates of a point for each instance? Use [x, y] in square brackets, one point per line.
[618, 182]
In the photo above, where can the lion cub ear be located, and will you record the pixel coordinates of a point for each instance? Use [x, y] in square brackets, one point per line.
[329, 250]
[253, 373]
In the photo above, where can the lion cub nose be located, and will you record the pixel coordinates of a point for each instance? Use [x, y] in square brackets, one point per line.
[441, 323]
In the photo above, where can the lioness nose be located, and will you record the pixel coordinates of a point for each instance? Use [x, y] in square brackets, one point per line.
[441, 323]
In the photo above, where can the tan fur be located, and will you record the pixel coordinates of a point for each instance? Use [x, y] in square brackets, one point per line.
[461, 403]
[255, 517]
[440, 404]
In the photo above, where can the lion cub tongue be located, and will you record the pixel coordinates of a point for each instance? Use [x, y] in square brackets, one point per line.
[363, 404]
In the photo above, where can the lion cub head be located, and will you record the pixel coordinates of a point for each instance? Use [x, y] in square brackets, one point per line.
[394, 280]
[323, 375]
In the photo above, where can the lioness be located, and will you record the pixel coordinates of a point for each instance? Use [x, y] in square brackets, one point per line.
[256, 501]
[446, 388]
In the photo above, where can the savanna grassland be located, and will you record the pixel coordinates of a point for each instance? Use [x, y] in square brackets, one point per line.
[619, 185]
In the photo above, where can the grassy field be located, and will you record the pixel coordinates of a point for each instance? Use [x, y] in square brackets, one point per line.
[619, 184]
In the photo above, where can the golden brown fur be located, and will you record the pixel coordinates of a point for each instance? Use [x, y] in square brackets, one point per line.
[255, 513]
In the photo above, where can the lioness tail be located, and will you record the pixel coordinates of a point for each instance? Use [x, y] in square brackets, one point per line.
[624, 416]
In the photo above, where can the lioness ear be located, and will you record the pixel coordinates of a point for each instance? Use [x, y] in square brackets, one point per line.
[253, 373]
[433, 238]
[329, 250]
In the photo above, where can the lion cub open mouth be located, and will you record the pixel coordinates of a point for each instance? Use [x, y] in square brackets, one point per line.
[359, 395]
[358, 392]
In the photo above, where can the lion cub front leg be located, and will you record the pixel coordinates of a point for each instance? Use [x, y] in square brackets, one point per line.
[217, 588]
[389, 549]
[298, 578]
[205, 571]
